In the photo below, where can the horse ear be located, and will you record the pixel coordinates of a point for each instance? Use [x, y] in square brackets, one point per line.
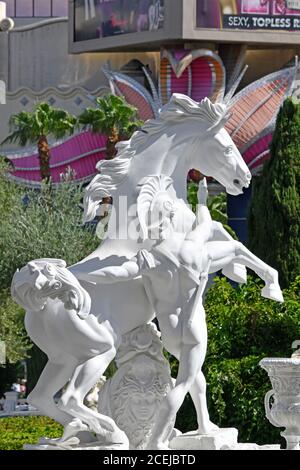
[216, 128]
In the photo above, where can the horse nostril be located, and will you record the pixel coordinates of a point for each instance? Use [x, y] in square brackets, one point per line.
[237, 182]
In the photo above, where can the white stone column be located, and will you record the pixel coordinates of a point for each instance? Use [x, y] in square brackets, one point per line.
[2, 10]
[3, 55]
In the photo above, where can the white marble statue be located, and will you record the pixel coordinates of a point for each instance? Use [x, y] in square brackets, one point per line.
[164, 262]
[175, 272]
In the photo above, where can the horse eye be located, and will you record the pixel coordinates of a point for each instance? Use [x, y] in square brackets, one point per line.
[228, 151]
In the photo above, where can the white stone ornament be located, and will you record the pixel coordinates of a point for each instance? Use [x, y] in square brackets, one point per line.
[78, 316]
[7, 24]
[284, 412]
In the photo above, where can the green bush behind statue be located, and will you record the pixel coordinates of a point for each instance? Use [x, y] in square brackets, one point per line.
[274, 216]
[243, 328]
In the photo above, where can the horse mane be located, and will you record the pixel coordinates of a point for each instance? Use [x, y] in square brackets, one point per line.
[113, 172]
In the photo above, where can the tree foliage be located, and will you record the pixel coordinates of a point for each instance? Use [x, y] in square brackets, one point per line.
[12, 331]
[10, 193]
[36, 127]
[32, 231]
[274, 218]
[111, 112]
[111, 116]
[27, 127]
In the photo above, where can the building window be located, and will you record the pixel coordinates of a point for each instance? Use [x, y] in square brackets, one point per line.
[59, 8]
[42, 8]
[36, 8]
[24, 8]
[10, 8]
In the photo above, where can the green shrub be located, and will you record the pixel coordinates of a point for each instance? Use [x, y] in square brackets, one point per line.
[12, 330]
[39, 231]
[49, 226]
[243, 328]
[15, 432]
[242, 323]
[13, 334]
[274, 222]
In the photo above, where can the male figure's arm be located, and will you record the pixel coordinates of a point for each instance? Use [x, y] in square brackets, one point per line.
[211, 230]
[203, 229]
[111, 274]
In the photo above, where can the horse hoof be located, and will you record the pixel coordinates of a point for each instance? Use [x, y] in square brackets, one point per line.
[73, 428]
[119, 437]
[209, 428]
[272, 293]
[157, 446]
[60, 442]
[236, 272]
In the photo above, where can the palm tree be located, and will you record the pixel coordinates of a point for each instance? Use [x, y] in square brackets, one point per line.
[36, 127]
[113, 117]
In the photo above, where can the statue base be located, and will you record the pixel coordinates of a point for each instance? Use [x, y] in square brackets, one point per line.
[83, 441]
[217, 440]
[89, 446]
[252, 447]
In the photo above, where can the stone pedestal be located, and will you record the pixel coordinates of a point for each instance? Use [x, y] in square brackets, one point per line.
[252, 447]
[89, 446]
[214, 441]
[133, 395]
[11, 400]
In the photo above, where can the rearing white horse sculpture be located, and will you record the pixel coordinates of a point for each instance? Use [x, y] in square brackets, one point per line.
[79, 345]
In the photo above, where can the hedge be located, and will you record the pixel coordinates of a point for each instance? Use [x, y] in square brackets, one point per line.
[15, 432]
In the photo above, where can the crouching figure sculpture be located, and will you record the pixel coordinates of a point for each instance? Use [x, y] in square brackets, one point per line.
[78, 315]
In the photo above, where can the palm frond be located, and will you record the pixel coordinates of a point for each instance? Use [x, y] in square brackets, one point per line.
[111, 112]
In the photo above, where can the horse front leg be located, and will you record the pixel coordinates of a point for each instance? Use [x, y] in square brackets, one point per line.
[223, 254]
[54, 376]
[234, 271]
[72, 401]
[269, 275]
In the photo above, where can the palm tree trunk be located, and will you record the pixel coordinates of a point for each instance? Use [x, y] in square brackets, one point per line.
[111, 152]
[196, 176]
[111, 143]
[44, 157]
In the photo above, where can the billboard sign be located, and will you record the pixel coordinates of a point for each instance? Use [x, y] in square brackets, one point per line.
[96, 19]
[249, 14]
